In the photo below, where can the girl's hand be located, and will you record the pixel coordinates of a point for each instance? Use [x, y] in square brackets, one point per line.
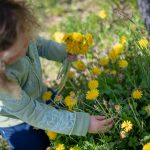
[99, 124]
[71, 57]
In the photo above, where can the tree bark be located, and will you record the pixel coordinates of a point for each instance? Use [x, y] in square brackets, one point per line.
[144, 6]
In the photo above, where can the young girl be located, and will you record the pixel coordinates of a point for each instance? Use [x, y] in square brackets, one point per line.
[21, 84]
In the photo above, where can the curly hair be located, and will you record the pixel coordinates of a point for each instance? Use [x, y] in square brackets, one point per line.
[15, 16]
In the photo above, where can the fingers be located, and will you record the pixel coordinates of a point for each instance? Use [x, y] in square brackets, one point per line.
[100, 117]
[71, 57]
[110, 125]
[105, 128]
[99, 124]
[107, 121]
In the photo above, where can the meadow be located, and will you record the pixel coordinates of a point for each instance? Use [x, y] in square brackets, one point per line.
[112, 78]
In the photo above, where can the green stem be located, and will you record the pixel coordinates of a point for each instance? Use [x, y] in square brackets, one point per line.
[72, 85]
[106, 114]
[64, 72]
[88, 106]
[135, 116]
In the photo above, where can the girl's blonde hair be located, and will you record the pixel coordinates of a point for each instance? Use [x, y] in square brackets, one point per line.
[15, 15]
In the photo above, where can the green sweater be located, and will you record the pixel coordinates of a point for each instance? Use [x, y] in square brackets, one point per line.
[30, 108]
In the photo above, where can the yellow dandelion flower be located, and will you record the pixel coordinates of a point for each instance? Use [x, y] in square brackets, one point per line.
[70, 102]
[52, 135]
[77, 36]
[118, 48]
[104, 61]
[60, 147]
[127, 126]
[67, 37]
[113, 55]
[102, 14]
[84, 48]
[70, 74]
[96, 71]
[117, 108]
[137, 94]
[123, 63]
[147, 109]
[89, 38]
[86, 42]
[146, 146]
[93, 84]
[113, 72]
[77, 43]
[47, 96]
[143, 43]
[79, 65]
[92, 94]
[58, 37]
[123, 39]
[70, 48]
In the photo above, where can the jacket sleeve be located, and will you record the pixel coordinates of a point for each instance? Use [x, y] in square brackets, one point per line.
[51, 50]
[45, 117]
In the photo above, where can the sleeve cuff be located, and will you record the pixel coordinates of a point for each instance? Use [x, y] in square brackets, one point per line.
[81, 124]
[64, 52]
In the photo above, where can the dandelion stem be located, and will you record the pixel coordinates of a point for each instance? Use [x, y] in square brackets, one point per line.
[88, 106]
[102, 108]
[72, 84]
[134, 114]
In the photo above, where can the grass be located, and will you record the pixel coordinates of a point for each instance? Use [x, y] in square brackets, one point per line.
[82, 16]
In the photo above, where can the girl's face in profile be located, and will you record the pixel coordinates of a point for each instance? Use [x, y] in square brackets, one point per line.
[17, 51]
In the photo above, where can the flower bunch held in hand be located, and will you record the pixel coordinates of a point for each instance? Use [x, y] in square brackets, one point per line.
[76, 44]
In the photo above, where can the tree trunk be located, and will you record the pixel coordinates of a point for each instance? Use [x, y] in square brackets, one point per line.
[144, 6]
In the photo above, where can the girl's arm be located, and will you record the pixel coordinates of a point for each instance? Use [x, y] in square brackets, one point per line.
[44, 117]
[51, 50]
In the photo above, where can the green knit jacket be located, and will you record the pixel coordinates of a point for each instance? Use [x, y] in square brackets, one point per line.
[30, 108]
